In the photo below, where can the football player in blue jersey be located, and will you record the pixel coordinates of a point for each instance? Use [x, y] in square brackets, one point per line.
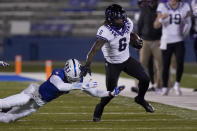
[60, 82]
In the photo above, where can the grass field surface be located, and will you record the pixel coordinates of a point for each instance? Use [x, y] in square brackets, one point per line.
[73, 112]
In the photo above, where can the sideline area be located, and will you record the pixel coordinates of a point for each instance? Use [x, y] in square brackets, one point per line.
[188, 100]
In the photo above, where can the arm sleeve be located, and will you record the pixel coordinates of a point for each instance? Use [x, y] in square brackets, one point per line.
[103, 33]
[188, 8]
[59, 83]
[131, 24]
[187, 23]
[187, 26]
[194, 7]
[160, 8]
[96, 92]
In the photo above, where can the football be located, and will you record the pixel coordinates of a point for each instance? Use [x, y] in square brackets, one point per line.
[136, 41]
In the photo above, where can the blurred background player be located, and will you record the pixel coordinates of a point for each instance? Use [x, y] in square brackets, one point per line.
[114, 38]
[174, 17]
[60, 82]
[150, 53]
[194, 24]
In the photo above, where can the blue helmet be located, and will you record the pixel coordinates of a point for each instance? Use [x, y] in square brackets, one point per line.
[113, 12]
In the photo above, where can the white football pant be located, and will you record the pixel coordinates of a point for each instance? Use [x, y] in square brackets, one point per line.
[21, 105]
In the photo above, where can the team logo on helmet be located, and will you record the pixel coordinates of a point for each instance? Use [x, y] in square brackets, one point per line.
[72, 70]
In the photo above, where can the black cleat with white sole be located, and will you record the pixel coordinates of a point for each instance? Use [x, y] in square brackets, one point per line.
[144, 104]
[96, 119]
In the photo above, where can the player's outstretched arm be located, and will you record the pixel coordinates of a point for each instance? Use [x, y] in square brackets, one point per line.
[95, 48]
[59, 83]
[100, 93]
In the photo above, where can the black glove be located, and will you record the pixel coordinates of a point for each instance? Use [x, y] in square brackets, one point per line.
[138, 44]
[136, 41]
[85, 69]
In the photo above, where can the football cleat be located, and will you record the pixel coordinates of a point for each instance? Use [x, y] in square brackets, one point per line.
[5, 110]
[117, 90]
[151, 89]
[164, 91]
[144, 104]
[134, 89]
[96, 119]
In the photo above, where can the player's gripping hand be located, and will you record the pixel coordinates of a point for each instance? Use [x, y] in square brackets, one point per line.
[117, 90]
[2, 63]
[90, 84]
[136, 41]
[85, 69]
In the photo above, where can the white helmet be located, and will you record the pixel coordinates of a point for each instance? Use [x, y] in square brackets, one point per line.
[72, 70]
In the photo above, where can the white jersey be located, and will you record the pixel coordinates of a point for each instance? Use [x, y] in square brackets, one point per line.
[172, 30]
[116, 48]
[194, 9]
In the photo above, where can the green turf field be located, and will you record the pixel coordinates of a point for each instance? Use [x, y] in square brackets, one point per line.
[73, 112]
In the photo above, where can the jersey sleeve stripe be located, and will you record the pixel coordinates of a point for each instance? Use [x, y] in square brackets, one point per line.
[103, 38]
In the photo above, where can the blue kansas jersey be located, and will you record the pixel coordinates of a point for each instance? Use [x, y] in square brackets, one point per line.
[48, 91]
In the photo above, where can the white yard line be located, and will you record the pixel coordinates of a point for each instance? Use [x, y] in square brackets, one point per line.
[140, 128]
[111, 120]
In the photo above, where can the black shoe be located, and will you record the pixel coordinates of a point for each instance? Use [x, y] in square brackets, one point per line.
[135, 89]
[5, 110]
[151, 89]
[96, 119]
[195, 89]
[144, 104]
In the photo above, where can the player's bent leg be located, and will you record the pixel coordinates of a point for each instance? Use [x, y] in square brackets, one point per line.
[14, 100]
[100, 107]
[143, 85]
[148, 107]
[136, 70]
[19, 112]
[7, 118]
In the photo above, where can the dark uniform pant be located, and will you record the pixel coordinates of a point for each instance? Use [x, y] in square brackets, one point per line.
[132, 68]
[179, 50]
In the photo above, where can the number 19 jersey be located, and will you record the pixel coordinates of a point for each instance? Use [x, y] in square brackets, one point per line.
[116, 48]
[172, 29]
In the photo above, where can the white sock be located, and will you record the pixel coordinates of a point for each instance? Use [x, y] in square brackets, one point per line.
[176, 85]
